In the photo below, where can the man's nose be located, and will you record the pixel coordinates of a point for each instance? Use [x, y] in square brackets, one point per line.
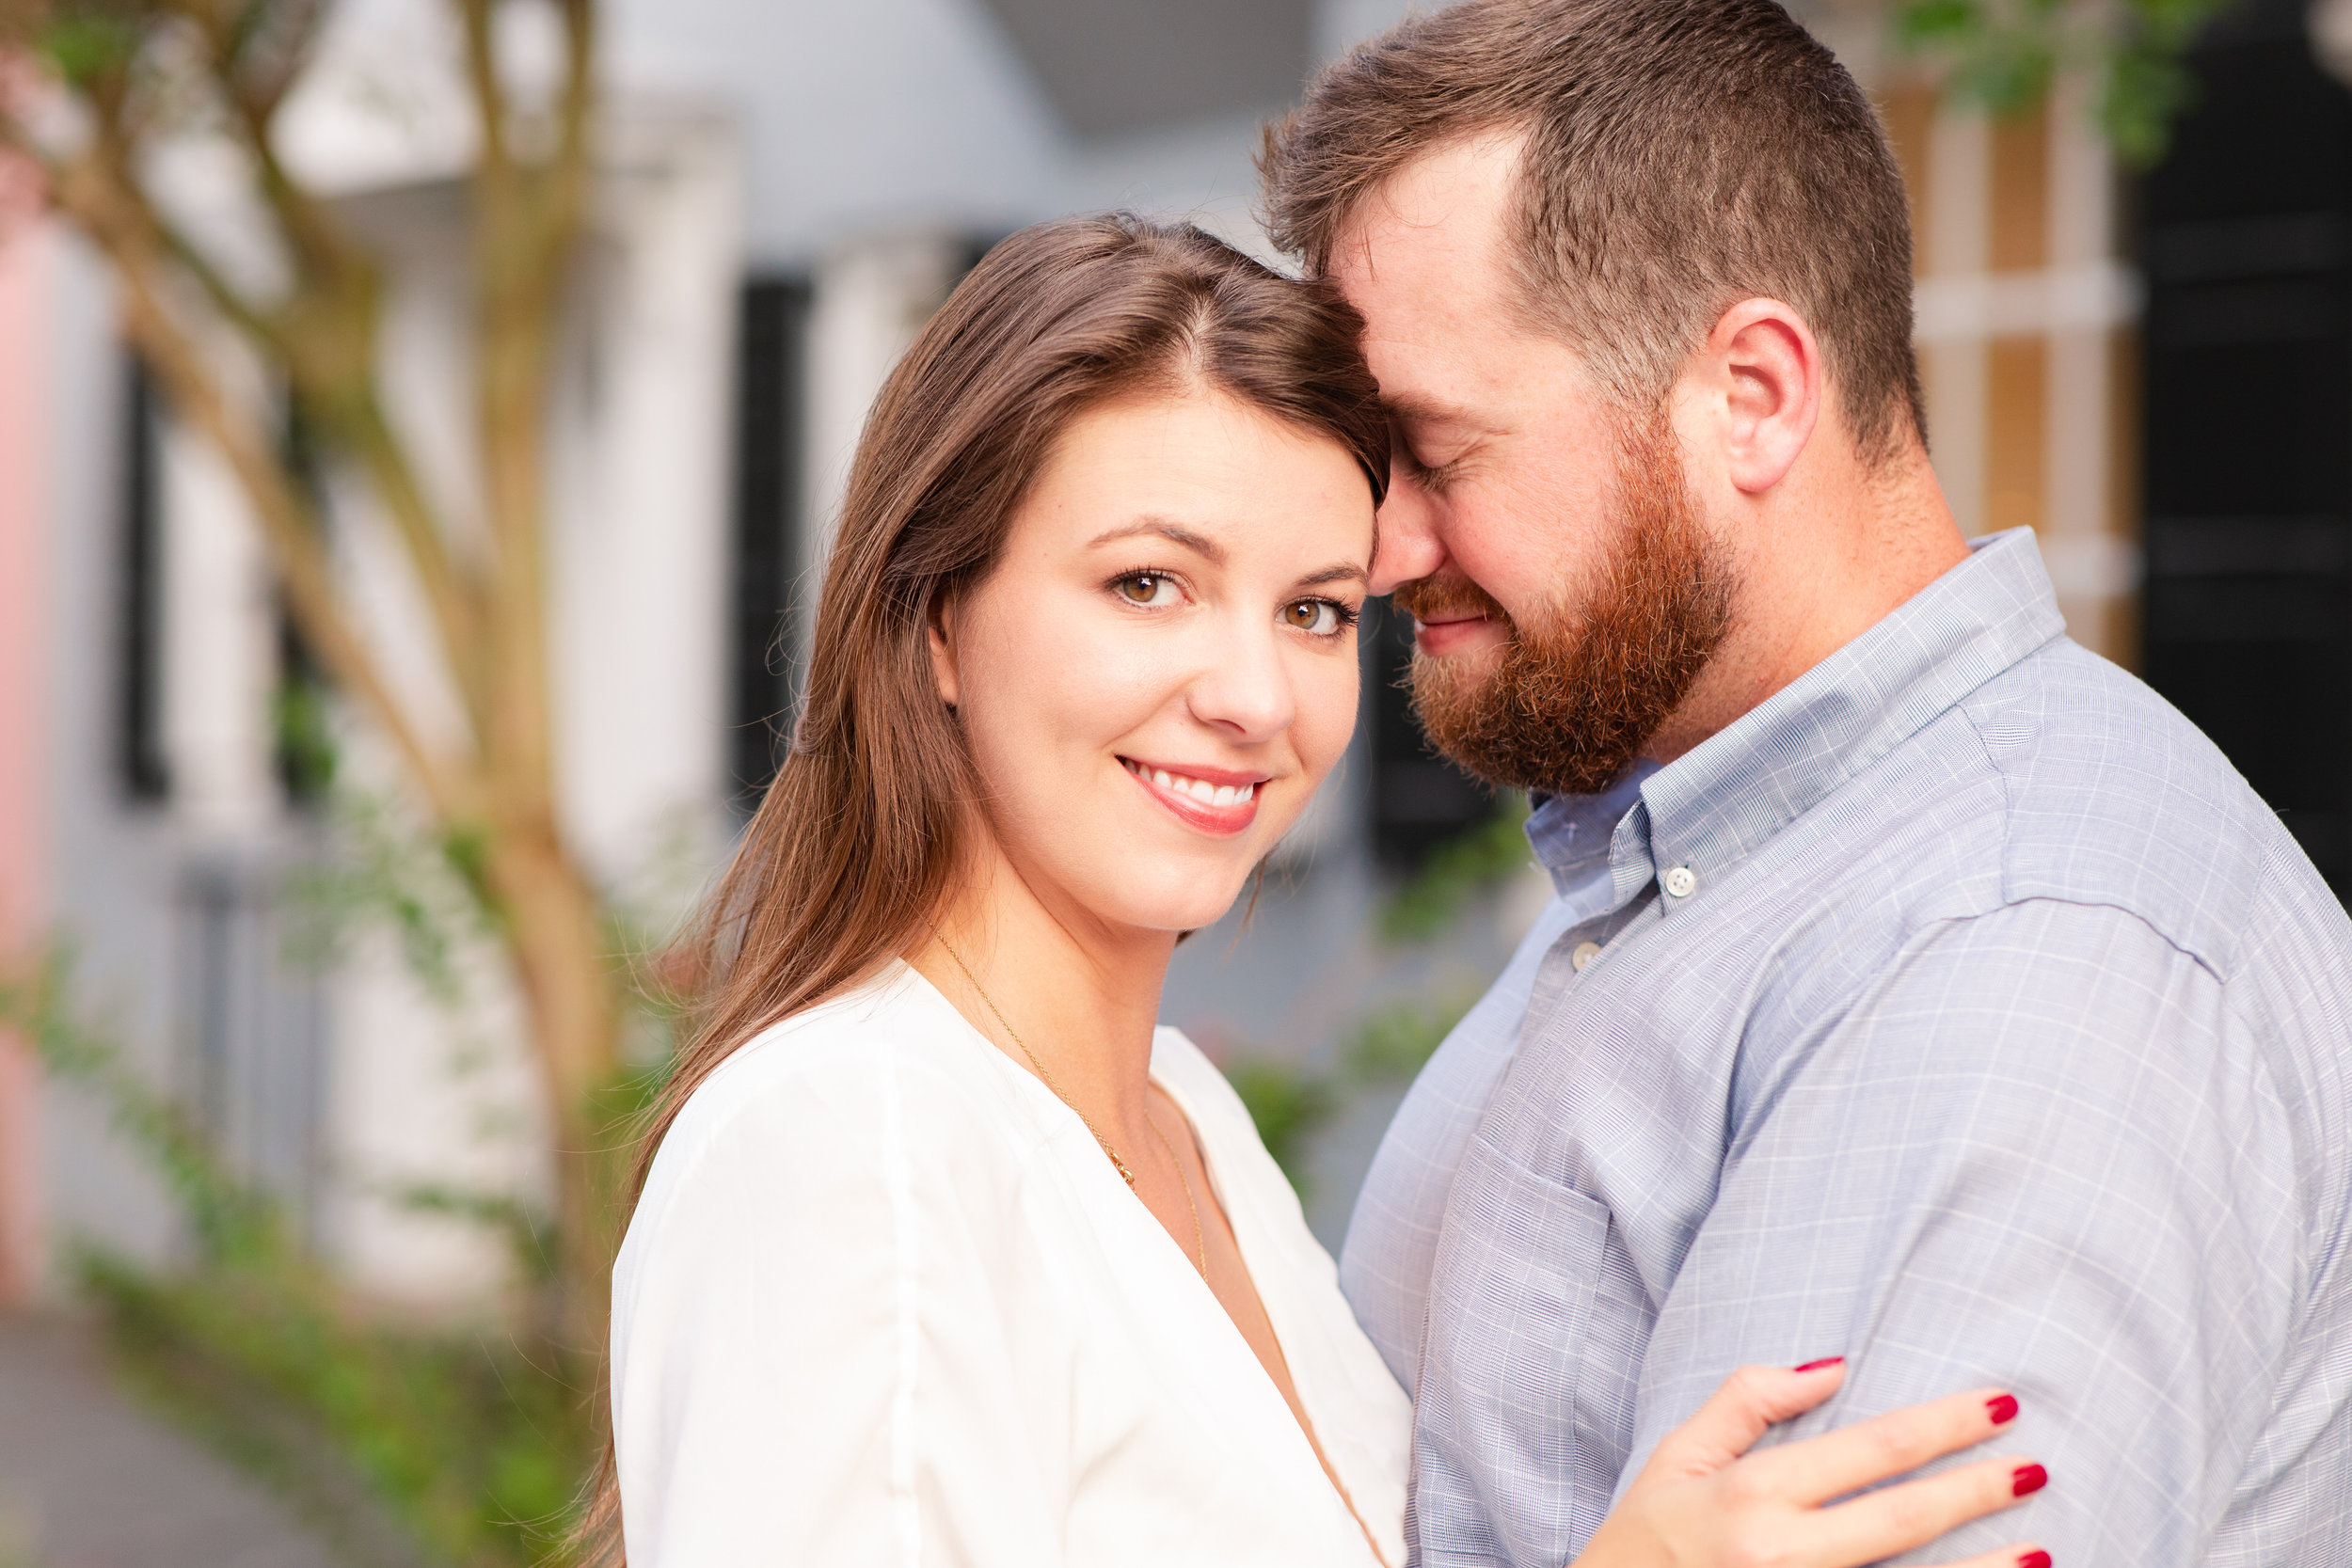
[1409, 548]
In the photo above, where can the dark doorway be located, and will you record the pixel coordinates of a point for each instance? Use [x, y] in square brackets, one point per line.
[2246, 244]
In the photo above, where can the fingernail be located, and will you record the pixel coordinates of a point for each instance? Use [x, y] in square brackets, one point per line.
[2027, 1477]
[2002, 1408]
[1817, 1366]
[2036, 1558]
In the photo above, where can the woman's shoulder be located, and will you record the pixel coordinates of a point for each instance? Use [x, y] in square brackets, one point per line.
[1176, 1061]
[889, 1053]
[1221, 1118]
[1186, 1069]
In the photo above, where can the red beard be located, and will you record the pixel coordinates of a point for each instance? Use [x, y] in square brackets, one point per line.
[1569, 705]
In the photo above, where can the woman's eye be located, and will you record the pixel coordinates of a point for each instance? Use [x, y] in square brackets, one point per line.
[1321, 617]
[1144, 588]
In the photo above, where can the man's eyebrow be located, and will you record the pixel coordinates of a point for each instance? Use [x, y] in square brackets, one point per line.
[1345, 571]
[1175, 532]
[1413, 408]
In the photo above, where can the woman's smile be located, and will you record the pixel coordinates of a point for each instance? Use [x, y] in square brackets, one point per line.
[1213, 800]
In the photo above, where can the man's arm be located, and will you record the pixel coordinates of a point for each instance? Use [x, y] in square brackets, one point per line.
[2040, 1153]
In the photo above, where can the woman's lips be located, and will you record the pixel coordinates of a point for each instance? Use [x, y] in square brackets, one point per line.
[1221, 802]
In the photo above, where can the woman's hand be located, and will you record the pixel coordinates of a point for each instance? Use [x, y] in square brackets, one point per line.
[1698, 1504]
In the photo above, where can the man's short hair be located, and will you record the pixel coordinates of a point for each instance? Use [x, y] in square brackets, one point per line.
[1681, 155]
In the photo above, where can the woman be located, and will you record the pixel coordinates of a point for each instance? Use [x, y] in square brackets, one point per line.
[945, 1254]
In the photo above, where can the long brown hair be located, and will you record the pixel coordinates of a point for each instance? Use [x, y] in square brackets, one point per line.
[851, 852]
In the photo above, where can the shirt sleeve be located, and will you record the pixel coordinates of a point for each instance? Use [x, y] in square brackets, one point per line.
[809, 1355]
[2041, 1154]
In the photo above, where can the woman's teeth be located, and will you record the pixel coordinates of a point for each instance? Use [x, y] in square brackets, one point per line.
[1199, 789]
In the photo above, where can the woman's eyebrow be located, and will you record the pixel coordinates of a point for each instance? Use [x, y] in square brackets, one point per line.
[1175, 532]
[1346, 571]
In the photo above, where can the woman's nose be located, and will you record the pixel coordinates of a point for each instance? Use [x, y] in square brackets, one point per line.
[1246, 690]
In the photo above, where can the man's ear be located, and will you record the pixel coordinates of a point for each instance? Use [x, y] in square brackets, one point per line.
[1768, 371]
[939, 628]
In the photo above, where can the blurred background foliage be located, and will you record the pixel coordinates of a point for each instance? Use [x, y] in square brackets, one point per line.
[404, 1444]
[2004, 54]
[1293, 1102]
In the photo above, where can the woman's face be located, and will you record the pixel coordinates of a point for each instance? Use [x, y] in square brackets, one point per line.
[1162, 667]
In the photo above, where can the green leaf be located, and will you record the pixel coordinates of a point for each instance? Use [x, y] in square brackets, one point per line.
[83, 46]
[1923, 23]
[1391, 1045]
[2145, 92]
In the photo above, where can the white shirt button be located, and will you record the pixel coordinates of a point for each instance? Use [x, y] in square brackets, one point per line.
[1681, 883]
[1583, 953]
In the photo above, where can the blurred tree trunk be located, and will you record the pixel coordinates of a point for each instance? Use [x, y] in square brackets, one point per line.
[91, 90]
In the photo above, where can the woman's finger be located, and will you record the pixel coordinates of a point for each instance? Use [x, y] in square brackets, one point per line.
[1897, 1519]
[1738, 1412]
[1881, 1447]
[2017, 1554]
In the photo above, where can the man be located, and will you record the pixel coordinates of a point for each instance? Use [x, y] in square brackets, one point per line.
[1919, 988]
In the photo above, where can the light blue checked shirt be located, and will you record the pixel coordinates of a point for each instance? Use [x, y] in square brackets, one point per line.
[1958, 1010]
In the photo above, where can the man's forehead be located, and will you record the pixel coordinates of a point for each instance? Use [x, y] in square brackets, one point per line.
[1419, 261]
[1439, 218]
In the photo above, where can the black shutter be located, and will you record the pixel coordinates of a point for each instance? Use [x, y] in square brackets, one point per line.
[1418, 800]
[139, 750]
[2246, 242]
[769, 382]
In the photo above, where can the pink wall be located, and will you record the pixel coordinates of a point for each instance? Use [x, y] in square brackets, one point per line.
[27, 258]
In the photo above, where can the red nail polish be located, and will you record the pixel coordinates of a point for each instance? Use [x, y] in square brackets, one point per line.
[2036, 1558]
[2028, 1477]
[1817, 1366]
[2002, 1408]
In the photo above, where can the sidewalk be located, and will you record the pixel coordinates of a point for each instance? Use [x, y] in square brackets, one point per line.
[97, 1483]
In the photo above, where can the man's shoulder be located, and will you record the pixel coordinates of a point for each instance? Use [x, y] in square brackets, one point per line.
[2113, 799]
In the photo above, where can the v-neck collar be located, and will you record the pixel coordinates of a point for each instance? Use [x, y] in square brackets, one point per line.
[1242, 1219]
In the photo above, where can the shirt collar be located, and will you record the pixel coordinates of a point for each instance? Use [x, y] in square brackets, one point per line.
[1569, 834]
[1709, 808]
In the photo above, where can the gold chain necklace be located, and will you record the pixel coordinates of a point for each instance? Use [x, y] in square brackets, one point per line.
[1118, 1163]
[1199, 1244]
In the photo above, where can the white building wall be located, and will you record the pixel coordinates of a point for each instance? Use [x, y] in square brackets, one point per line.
[869, 299]
[219, 657]
[883, 117]
[111, 866]
[642, 493]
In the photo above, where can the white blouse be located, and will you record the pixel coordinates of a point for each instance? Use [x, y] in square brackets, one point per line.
[884, 1301]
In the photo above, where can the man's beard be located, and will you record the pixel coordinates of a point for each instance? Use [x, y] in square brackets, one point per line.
[1573, 701]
